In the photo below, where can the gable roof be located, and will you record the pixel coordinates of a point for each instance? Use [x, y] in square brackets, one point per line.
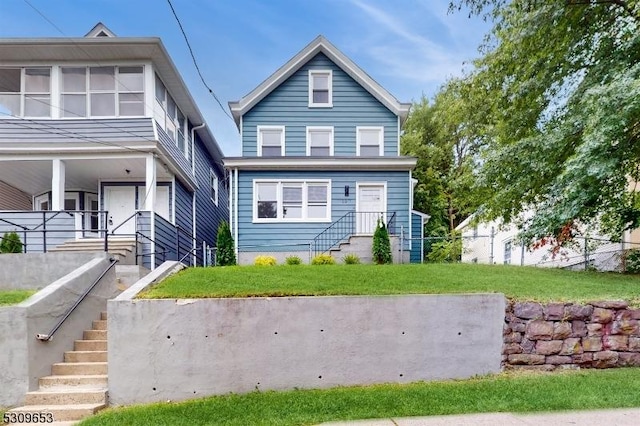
[100, 30]
[318, 45]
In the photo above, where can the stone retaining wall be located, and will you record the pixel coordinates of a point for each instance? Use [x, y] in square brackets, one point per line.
[601, 334]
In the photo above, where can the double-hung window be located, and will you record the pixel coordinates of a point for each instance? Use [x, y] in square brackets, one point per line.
[171, 119]
[370, 141]
[320, 88]
[319, 141]
[25, 92]
[270, 141]
[292, 201]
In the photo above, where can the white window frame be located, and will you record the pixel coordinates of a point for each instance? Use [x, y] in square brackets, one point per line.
[305, 183]
[162, 116]
[359, 138]
[259, 131]
[214, 185]
[22, 94]
[311, 129]
[313, 73]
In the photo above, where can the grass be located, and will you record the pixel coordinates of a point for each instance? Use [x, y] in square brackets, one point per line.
[12, 297]
[521, 283]
[507, 392]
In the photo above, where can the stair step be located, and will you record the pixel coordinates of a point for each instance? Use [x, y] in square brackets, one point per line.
[95, 335]
[76, 368]
[72, 380]
[62, 412]
[90, 345]
[103, 315]
[85, 356]
[66, 397]
[99, 325]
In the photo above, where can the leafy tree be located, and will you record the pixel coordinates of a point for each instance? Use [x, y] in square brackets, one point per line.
[561, 115]
[226, 252]
[10, 243]
[381, 249]
[446, 147]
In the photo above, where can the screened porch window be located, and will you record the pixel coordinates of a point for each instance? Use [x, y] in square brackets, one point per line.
[25, 92]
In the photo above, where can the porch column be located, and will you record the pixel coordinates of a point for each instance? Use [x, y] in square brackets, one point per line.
[57, 185]
[150, 184]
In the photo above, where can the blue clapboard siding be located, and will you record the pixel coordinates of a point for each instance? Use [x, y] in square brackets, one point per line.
[416, 237]
[173, 150]
[288, 105]
[184, 208]
[208, 215]
[286, 233]
[143, 227]
[165, 237]
[83, 130]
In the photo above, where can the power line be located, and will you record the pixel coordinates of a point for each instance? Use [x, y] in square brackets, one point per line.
[186, 39]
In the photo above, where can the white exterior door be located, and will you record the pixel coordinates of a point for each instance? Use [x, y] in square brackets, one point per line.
[371, 204]
[120, 202]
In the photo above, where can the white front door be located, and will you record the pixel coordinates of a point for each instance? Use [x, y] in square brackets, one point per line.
[120, 202]
[371, 205]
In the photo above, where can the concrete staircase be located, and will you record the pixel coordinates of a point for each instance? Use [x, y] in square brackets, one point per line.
[361, 245]
[123, 249]
[77, 387]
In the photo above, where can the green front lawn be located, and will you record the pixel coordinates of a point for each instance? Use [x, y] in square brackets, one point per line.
[522, 283]
[507, 392]
[12, 297]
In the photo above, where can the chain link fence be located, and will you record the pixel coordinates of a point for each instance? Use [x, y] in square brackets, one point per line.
[582, 253]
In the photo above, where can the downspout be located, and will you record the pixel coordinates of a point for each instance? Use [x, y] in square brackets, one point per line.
[236, 213]
[194, 204]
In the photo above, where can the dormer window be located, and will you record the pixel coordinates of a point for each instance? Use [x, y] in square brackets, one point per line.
[320, 88]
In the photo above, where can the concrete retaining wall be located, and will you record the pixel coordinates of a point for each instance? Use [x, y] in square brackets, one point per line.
[190, 348]
[23, 358]
[33, 271]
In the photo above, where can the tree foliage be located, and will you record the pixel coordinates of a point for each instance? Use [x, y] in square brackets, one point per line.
[443, 141]
[561, 117]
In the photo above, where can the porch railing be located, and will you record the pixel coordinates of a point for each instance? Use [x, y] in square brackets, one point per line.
[352, 223]
[40, 231]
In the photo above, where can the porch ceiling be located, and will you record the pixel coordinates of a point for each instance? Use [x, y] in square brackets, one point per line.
[34, 176]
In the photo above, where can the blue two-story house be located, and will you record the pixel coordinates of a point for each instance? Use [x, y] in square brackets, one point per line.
[320, 162]
[99, 136]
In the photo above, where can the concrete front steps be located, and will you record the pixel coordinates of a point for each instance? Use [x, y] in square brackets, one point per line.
[123, 249]
[77, 387]
[361, 245]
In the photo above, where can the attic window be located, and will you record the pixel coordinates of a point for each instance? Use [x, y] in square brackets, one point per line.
[320, 88]
[102, 34]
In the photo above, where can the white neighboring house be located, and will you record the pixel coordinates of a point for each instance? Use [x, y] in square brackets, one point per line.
[498, 243]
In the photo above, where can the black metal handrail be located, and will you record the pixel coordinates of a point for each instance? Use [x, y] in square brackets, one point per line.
[345, 227]
[48, 336]
[112, 232]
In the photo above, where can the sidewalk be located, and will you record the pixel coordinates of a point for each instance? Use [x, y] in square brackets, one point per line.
[617, 417]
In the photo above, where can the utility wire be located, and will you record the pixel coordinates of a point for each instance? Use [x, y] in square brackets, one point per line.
[186, 39]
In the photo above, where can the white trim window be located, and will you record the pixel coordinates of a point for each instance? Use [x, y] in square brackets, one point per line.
[271, 141]
[370, 141]
[291, 200]
[171, 119]
[213, 185]
[319, 141]
[25, 92]
[105, 91]
[320, 88]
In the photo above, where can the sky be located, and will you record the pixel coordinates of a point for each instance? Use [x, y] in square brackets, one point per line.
[410, 47]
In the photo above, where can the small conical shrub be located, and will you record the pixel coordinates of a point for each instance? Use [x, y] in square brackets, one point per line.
[10, 243]
[381, 244]
[226, 253]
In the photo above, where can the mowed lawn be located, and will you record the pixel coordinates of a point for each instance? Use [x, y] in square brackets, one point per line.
[507, 392]
[13, 297]
[520, 283]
